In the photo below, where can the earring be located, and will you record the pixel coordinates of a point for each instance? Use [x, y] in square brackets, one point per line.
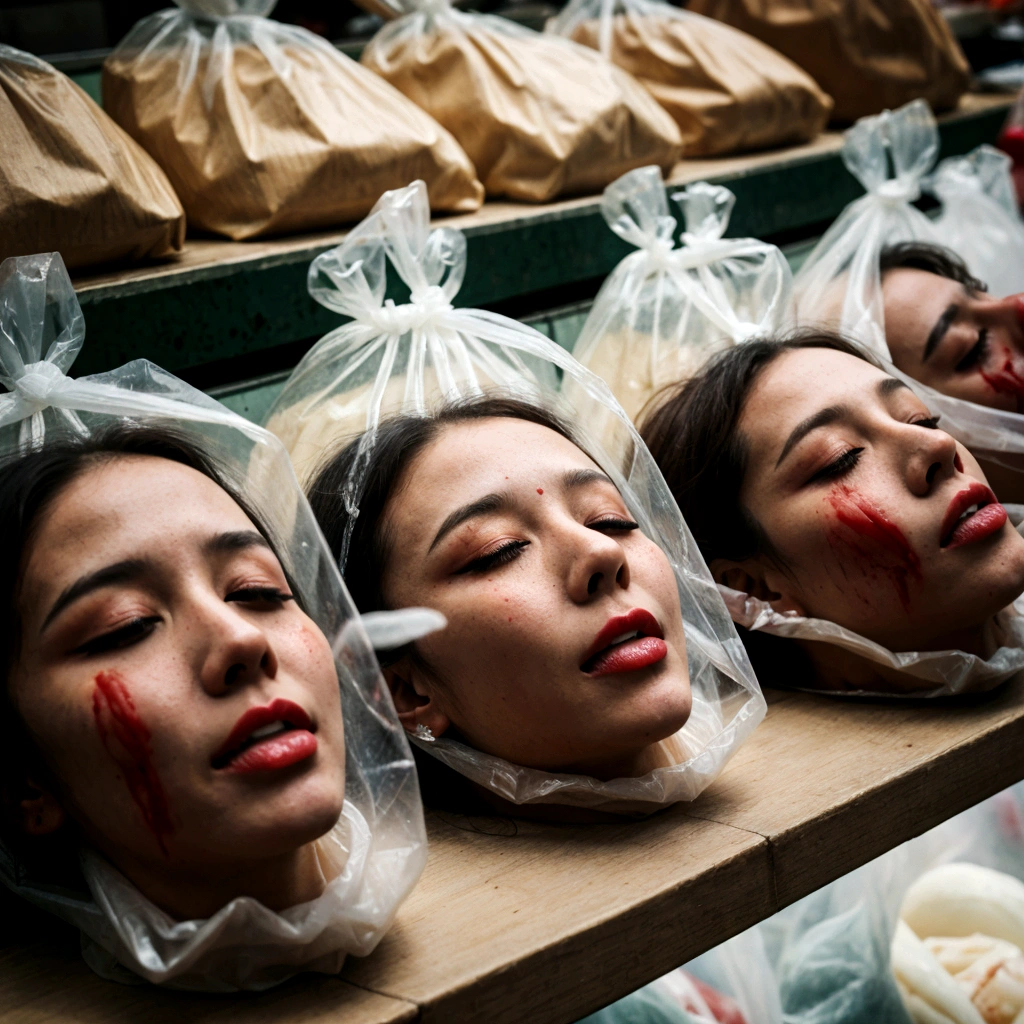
[422, 732]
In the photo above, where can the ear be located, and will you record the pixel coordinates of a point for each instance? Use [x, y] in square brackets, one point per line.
[759, 579]
[38, 809]
[415, 697]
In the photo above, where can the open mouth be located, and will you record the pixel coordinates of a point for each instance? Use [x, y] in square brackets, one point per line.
[627, 643]
[265, 738]
[974, 513]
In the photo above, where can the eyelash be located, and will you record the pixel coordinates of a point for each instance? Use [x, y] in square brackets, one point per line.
[509, 551]
[976, 354]
[138, 629]
[849, 459]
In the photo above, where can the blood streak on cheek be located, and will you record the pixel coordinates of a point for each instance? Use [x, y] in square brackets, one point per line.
[1007, 379]
[876, 540]
[126, 739]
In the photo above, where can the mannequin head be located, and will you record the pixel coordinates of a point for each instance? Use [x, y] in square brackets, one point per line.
[564, 649]
[945, 330]
[166, 698]
[813, 480]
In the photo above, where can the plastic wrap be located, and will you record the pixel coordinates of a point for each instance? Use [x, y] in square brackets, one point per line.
[663, 311]
[726, 90]
[840, 284]
[267, 128]
[980, 220]
[378, 843]
[412, 358]
[71, 179]
[538, 115]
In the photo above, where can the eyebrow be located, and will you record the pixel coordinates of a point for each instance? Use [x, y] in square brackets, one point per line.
[938, 332]
[499, 502]
[885, 387]
[132, 569]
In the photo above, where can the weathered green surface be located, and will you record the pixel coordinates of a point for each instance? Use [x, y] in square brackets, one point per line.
[226, 315]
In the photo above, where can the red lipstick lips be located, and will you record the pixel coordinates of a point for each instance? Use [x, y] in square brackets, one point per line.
[962, 526]
[627, 643]
[267, 739]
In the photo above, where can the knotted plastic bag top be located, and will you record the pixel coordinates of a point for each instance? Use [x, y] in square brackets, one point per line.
[378, 844]
[665, 310]
[980, 220]
[414, 357]
[840, 284]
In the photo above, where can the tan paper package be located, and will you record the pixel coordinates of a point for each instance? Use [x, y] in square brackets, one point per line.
[71, 181]
[265, 128]
[538, 115]
[727, 91]
[868, 55]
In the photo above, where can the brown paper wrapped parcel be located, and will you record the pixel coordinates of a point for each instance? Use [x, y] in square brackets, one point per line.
[727, 91]
[71, 181]
[868, 55]
[265, 128]
[538, 115]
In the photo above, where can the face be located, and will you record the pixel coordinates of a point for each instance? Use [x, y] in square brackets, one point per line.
[961, 343]
[564, 648]
[879, 520]
[186, 706]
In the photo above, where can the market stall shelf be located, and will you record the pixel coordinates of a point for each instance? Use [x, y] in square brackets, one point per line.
[227, 310]
[517, 920]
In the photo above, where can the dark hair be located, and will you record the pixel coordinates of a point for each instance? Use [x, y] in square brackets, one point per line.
[933, 259]
[31, 480]
[399, 440]
[692, 433]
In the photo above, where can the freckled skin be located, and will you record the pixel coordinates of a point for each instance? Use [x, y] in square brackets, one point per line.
[884, 574]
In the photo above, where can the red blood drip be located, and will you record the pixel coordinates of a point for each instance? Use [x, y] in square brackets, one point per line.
[1007, 380]
[540, 490]
[126, 739]
[876, 540]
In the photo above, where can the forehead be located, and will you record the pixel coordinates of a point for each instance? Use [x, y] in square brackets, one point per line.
[122, 507]
[470, 459]
[798, 384]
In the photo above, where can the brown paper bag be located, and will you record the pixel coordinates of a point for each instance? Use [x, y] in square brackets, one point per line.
[70, 180]
[266, 128]
[868, 55]
[727, 91]
[539, 116]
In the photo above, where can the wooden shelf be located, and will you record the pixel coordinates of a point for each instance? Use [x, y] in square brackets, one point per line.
[206, 314]
[522, 921]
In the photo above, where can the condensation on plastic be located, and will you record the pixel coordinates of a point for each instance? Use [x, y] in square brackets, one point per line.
[980, 220]
[379, 844]
[414, 357]
[840, 284]
[663, 311]
[951, 671]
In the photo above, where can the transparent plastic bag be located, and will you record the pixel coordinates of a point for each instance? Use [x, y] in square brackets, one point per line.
[538, 115]
[840, 284]
[412, 358]
[664, 311]
[266, 128]
[980, 220]
[726, 90]
[379, 844]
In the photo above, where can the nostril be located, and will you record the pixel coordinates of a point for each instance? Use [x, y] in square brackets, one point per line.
[593, 582]
[620, 574]
[232, 674]
[932, 470]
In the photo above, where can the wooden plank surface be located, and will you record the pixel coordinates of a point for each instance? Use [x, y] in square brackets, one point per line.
[227, 310]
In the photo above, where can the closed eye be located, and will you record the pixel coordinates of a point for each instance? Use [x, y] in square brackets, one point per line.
[977, 354]
[502, 555]
[930, 423]
[838, 466]
[612, 524]
[124, 636]
[269, 595]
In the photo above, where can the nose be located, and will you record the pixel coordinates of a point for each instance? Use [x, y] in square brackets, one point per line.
[597, 565]
[933, 458]
[236, 651]
[1006, 312]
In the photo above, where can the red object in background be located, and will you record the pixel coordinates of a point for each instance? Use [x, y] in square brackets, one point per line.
[1011, 141]
[724, 1010]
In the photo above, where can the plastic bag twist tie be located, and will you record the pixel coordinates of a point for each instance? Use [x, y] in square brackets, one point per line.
[898, 191]
[37, 383]
[427, 309]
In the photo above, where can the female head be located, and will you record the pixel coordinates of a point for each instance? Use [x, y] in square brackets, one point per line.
[813, 480]
[564, 648]
[166, 697]
[945, 330]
